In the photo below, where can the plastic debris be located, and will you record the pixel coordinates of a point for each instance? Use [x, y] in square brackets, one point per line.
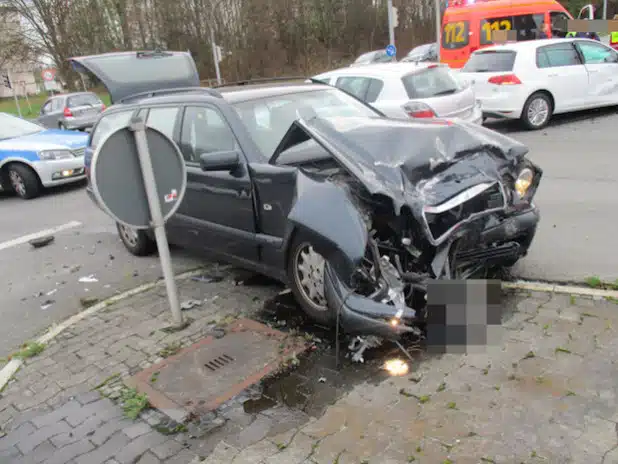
[42, 241]
[190, 304]
[88, 279]
[47, 304]
[322, 380]
[207, 279]
[51, 292]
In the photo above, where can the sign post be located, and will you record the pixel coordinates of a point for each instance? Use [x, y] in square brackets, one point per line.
[391, 24]
[139, 178]
[438, 27]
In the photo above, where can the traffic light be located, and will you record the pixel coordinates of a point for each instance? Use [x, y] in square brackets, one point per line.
[6, 81]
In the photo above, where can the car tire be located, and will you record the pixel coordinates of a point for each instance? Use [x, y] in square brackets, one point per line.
[305, 269]
[136, 241]
[23, 180]
[537, 111]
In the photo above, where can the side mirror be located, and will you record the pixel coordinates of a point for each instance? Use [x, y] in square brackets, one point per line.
[219, 160]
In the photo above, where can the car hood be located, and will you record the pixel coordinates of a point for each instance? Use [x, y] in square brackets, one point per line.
[129, 73]
[53, 139]
[427, 160]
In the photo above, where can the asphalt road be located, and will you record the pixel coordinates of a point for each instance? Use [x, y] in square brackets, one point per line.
[578, 198]
[41, 286]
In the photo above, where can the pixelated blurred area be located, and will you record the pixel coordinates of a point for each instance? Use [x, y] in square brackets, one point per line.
[503, 36]
[600, 26]
[463, 316]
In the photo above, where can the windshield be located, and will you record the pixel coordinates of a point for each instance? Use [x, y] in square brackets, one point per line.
[268, 119]
[490, 61]
[83, 99]
[12, 127]
[433, 82]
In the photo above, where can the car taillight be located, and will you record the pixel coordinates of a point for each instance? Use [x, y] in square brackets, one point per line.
[505, 79]
[67, 112]
[418, 110]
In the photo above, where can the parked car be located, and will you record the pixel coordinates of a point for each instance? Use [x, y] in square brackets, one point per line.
[355, 211]
[32, 157]
[376, 56]
[409, 90]
[77, 110]
[425, 52]
[531, 81]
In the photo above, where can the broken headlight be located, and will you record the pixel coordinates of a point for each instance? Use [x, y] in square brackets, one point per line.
[524, 181]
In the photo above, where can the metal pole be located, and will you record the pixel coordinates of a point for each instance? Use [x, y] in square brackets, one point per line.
[438, 26]
[158, 224]
[605, 9]
[391, 28]
[14, 93]
[214, 55]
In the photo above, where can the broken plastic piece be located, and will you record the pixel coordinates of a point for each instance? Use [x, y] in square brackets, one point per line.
[88, 279]
[359, 345]
[190, 304]
[42, 241]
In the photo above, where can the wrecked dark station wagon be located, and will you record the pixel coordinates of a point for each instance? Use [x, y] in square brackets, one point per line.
[304, 183]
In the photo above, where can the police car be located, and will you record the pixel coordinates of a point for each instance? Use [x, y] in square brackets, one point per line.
[33, 158]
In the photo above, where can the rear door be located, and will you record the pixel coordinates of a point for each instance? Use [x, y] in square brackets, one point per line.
[436, 87]
[601, 62]
[561, 69]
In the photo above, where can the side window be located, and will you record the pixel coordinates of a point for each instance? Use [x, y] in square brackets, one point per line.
[557, 56]
[455, 35]
[596, 53]
[163, 119]
[374, 90]
[489, 25]
[46, 108]
[357, 86]
[110, 123]
[56, 104]
[559, 23]
[204, 131]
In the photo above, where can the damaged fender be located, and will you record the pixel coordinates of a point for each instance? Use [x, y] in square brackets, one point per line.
[324, 212]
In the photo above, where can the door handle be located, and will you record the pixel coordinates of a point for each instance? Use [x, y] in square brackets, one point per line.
[592, 71]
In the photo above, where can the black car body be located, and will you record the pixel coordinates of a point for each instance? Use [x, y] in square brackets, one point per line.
[329, 197]
[425, 52]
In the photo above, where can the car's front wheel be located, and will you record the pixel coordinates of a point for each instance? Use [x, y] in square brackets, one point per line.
[537, 111]
[306, 276]
[23, 180]
[136, 241]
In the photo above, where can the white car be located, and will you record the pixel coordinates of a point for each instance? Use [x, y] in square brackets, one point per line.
[536, 79]
[408, 90]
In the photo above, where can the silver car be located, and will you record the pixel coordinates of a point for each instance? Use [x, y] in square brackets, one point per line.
[374, 57]
[409, 90]
[71, 111]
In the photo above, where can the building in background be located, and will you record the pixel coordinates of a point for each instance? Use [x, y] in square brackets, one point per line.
[21, 72]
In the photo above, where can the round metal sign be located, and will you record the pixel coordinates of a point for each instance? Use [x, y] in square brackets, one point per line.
[117, 180]
[391, 50]
[48, 74]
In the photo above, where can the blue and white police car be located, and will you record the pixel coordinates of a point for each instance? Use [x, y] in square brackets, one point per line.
[33, 158]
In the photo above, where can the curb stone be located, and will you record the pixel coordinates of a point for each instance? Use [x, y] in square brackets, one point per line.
[7, 372]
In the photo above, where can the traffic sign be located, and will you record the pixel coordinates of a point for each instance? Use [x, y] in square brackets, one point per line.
[117, 183]
[48, 75]
[391, 50]
[139, 178]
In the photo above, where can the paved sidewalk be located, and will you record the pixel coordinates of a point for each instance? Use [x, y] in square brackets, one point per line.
[548, 394]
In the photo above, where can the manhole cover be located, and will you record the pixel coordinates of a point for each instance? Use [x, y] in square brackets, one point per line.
[203, 376]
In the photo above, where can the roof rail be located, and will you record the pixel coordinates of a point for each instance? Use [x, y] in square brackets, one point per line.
[152, 93]
[261, 80]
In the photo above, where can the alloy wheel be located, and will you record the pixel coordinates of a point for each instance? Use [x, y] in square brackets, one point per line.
[538, 112]
[309, 276]
[129, 235]
[17, 183]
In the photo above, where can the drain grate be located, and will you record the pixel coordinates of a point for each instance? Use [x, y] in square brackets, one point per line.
[219, 362]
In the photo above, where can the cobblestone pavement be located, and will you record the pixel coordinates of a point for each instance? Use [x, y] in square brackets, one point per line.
[547, 394]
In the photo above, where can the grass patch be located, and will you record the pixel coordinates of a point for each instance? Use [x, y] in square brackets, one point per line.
[596, 282]
[29, 350]
[7, 105]
[170, 349]
[424, 399]
[562, 350]
[133, 402]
